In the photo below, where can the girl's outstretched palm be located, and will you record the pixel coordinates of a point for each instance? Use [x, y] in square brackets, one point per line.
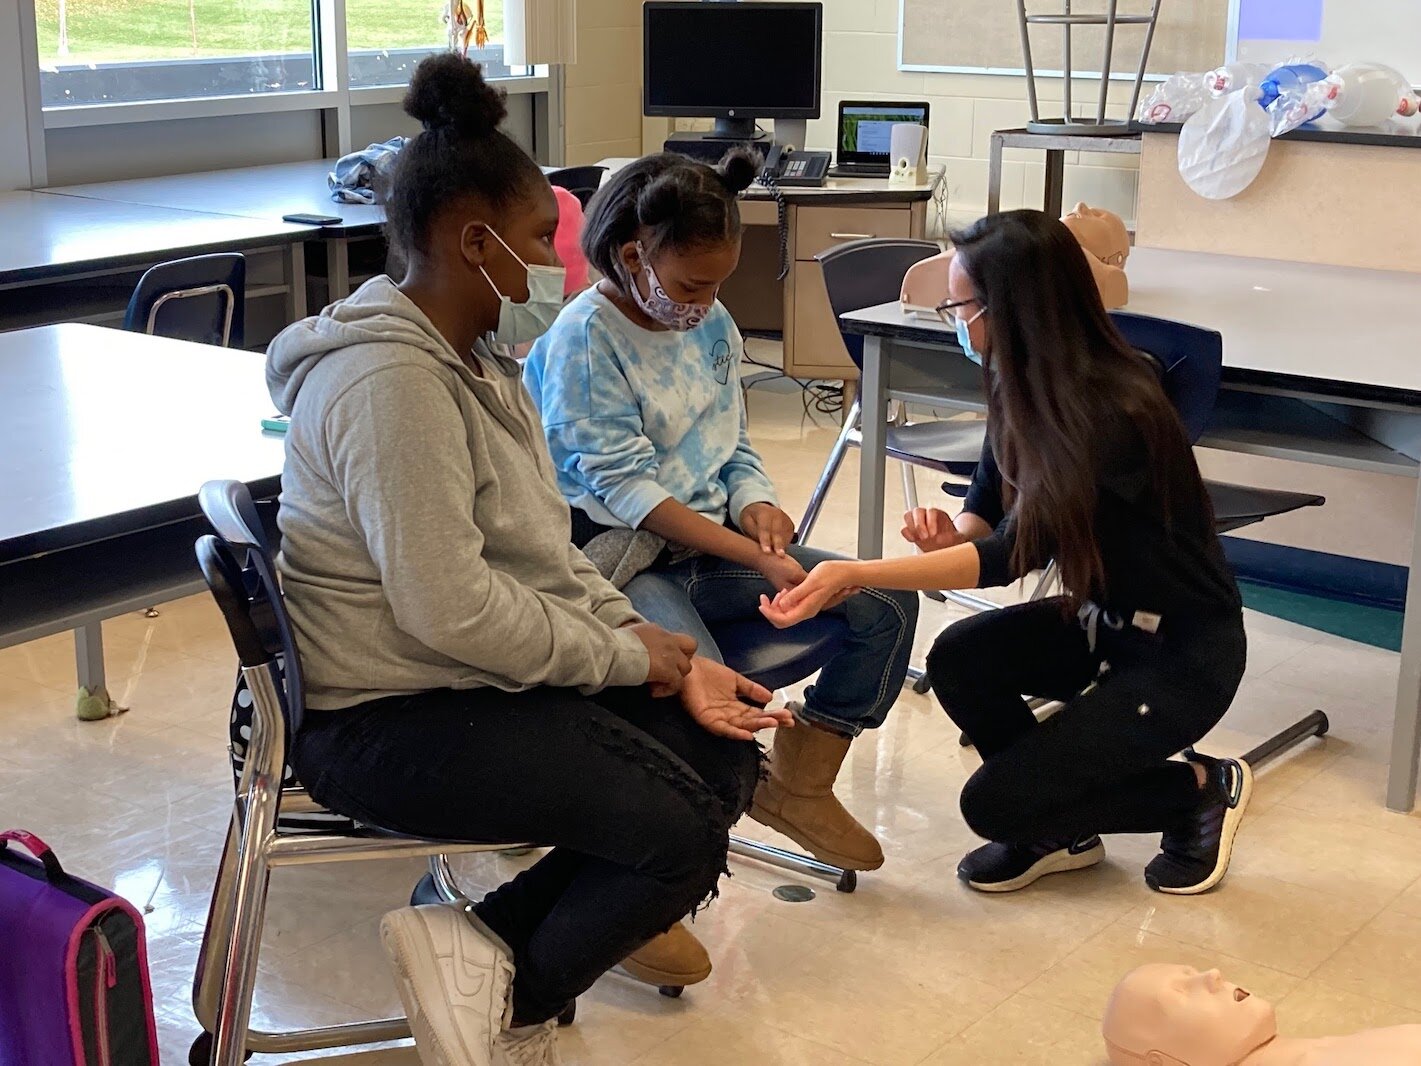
[721, 702]
[827, 585]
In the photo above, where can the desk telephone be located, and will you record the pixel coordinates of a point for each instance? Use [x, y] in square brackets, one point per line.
[791, 168]
[787, 168]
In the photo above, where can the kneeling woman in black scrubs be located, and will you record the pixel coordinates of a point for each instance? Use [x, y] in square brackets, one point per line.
[1086, 463]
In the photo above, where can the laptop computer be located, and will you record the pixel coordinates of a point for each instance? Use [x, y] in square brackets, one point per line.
[865, 127]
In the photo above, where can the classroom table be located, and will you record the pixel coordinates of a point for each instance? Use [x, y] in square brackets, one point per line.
[52, 238]
[110, 434]
[261, 192]
[1320, 366]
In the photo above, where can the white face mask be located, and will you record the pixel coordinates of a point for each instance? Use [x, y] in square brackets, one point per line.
[525, 322]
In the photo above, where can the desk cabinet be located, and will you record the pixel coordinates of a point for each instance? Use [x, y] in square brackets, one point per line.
[799, 307]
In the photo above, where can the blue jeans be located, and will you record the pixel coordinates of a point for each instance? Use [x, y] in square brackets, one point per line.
[855, 689]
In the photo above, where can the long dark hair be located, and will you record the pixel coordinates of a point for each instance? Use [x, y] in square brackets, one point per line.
[682, 203]
[1060, 381]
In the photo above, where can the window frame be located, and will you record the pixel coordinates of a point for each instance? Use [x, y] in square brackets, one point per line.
[331, 58]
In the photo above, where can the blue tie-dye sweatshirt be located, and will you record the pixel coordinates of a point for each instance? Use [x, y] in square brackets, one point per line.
[635, 416]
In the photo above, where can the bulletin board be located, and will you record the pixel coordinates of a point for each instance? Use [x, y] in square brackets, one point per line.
[984, 37]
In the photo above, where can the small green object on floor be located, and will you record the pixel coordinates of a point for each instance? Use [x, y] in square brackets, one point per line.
[95, 706]
[1378, 626]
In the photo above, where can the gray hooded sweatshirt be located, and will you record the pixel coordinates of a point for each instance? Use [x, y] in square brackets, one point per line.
[425, 542]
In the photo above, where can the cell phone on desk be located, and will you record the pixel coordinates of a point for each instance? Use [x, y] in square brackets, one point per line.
[302, 219]
[793, 168]
[276, 424]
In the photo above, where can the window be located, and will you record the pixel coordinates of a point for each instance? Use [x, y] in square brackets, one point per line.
[387, 39]
[126, 51]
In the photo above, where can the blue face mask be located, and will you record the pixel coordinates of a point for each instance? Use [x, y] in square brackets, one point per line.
[964, 339]
[964, 336]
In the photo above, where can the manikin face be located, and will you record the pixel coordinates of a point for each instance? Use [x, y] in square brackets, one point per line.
[1164, 1015]
[1101, 233]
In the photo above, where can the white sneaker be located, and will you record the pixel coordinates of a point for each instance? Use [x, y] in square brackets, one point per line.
[454, 977]
[529, 1045]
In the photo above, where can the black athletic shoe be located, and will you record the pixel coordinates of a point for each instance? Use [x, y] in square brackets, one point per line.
[1008, 867]
[1194, 857]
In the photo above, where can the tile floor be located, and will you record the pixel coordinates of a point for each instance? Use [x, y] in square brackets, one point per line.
[1322, 912]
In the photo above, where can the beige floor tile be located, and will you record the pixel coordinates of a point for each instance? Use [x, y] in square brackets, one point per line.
[718, 1040]
[1082, 981]
[1381, 962]
[884, 1006]
[1027, 1032]
[1325, 855]
[1269, 922]
[1316, 1009]
[1352, 789]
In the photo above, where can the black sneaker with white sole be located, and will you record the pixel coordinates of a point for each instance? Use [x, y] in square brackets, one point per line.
[1009, 867]
[1195, 856]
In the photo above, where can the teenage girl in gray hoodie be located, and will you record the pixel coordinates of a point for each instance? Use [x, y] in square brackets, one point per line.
[470, 674]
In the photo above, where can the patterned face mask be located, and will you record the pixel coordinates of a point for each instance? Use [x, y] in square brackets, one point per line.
[659, 307]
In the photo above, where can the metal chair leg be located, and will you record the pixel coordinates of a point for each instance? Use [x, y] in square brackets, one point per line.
[830, 471]
[845, 880]
[216, 937]
[258, 801]
[443, 877]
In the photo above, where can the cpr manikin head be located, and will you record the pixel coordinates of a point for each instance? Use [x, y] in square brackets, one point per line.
[1107, 244]
[1172, 1015]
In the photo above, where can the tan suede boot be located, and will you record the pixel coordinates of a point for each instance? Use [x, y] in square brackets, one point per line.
[797, 799]
[674, 959]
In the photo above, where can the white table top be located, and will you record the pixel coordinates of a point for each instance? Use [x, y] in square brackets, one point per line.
[1299, 319]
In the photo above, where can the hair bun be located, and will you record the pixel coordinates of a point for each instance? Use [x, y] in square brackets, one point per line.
[660, 200]
[449, 92]
[738, 170]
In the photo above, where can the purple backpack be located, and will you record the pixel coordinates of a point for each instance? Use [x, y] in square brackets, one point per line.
[73, 967]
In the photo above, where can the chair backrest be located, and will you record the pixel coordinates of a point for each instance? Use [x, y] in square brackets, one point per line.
[1191, 362]
[240, 568]
[582, 182]
[866, 273]
[202, 299]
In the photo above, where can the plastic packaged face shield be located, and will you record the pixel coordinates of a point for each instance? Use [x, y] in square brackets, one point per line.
[1224, 145]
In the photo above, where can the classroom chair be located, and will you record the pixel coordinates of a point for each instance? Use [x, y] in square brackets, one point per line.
[865, 273]
[202, 299]
[240, 569]
[1191, 359]
[582, 182]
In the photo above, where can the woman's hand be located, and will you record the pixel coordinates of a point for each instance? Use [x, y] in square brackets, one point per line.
[771, 527]
[670, 657]
[931, 529]
[828, 584]
[782, 571]
[720, 701]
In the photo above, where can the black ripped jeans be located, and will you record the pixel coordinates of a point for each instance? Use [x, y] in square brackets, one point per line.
[635, 799]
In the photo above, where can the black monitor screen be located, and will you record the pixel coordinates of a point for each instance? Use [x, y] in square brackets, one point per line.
[709, 59]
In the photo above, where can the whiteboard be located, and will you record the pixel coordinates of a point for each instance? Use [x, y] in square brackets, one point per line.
[1335, 31]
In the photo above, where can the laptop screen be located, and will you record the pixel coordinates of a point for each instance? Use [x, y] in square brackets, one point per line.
[866, 127]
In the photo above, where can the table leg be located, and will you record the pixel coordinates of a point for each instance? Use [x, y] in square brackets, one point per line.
[92, 702]
[1055, 182]
[873, 400]
[1406, 725]
[338, 269]
[994, 175]
[296, 279]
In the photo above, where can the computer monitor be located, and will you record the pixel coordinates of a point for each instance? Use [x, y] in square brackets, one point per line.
[733, 62]
[866, 129]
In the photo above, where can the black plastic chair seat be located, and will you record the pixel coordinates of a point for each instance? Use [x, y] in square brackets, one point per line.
[776, 658]
[949, 447]
[1236, 506]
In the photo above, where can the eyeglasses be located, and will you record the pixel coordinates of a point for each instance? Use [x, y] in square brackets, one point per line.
[948, 312]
